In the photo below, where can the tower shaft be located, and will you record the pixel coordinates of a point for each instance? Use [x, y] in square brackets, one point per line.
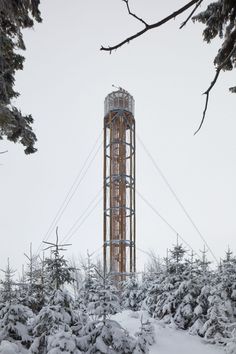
[119, 184]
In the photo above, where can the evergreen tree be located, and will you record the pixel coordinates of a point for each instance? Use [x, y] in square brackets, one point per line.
[34, 282]
[204, 280]
[231, 343]
[132, 295]
[58, 317]
[63, 342]
[219, 20]
[152, 283]
[88, 293]
[145, 338]
[14, 316]
[216, 326]
[101, 334]
[14, 17]
[186, 295]
[167, 301]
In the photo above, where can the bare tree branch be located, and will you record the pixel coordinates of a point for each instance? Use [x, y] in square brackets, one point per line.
[191, 14]
[132, 14]
[207, 92]
[147, 26]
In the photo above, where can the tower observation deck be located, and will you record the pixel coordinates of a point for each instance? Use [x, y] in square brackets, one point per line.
[119, 185]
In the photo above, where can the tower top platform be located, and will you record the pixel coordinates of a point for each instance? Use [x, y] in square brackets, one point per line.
[120, 99]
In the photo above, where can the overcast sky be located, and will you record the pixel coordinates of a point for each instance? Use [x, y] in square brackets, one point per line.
[65, 80]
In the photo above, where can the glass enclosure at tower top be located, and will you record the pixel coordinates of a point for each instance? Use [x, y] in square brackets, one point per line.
[120, 99]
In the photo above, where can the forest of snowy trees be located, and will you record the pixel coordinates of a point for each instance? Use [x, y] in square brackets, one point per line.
[58, 308]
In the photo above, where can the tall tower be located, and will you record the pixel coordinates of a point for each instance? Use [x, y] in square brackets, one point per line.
[119, 184]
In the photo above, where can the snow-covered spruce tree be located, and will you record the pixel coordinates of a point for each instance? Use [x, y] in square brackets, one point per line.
[145, 338]
[132, 294]
[201, 309]
[105, 300]
[88, 293]
[220, 21]
[220, 319]
[9, 348]
[205, 280]
[230, 347]
[34, 278]
[14, 316]
[53, 326]
[154, 274]
[216, 327]
[8, 292]
[101, 334]
[167, 300]
[32, 289]
[227, 284]
[187, 293]
[14, 17]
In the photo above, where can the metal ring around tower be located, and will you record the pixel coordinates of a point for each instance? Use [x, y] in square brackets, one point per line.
[124, 143]
[107, 211]
[129, 180]
[118, 242]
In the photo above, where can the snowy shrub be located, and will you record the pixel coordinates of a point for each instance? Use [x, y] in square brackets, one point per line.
[58, 315]
[131, 294]
[8, 348]
[231, 344]
[145, 338]
[105, 337]
[13, 323]
[62, 342]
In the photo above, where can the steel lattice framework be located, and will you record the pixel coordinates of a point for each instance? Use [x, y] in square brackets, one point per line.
[119, 184]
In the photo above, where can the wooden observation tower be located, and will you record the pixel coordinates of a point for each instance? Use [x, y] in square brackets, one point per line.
[119, 185]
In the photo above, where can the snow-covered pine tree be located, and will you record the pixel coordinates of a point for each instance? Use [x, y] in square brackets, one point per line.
[88, 294]
[132, 294]
[8, 292]
[145, 338]
[152, 280]
[15, 17]
[187, 293]
[34, 278]
[55, 322]
[230, 347]
[216, 328]
[221, 312]
[204, 279]
[101, 334]
[14, 316]
[219, 21]
[167, 301]
[63, 342]
[107, 302]
[227, 284]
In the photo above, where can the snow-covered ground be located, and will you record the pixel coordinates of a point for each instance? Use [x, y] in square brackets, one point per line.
[168, 340]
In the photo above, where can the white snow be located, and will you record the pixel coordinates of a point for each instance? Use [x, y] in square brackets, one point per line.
[8, 348]
[168, 340]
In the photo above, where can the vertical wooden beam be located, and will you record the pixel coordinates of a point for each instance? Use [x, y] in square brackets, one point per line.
[130, 122]
[110, 201]
[105, 198]
[134, 199]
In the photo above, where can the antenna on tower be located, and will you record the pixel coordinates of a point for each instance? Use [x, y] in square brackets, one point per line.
[119, 88]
